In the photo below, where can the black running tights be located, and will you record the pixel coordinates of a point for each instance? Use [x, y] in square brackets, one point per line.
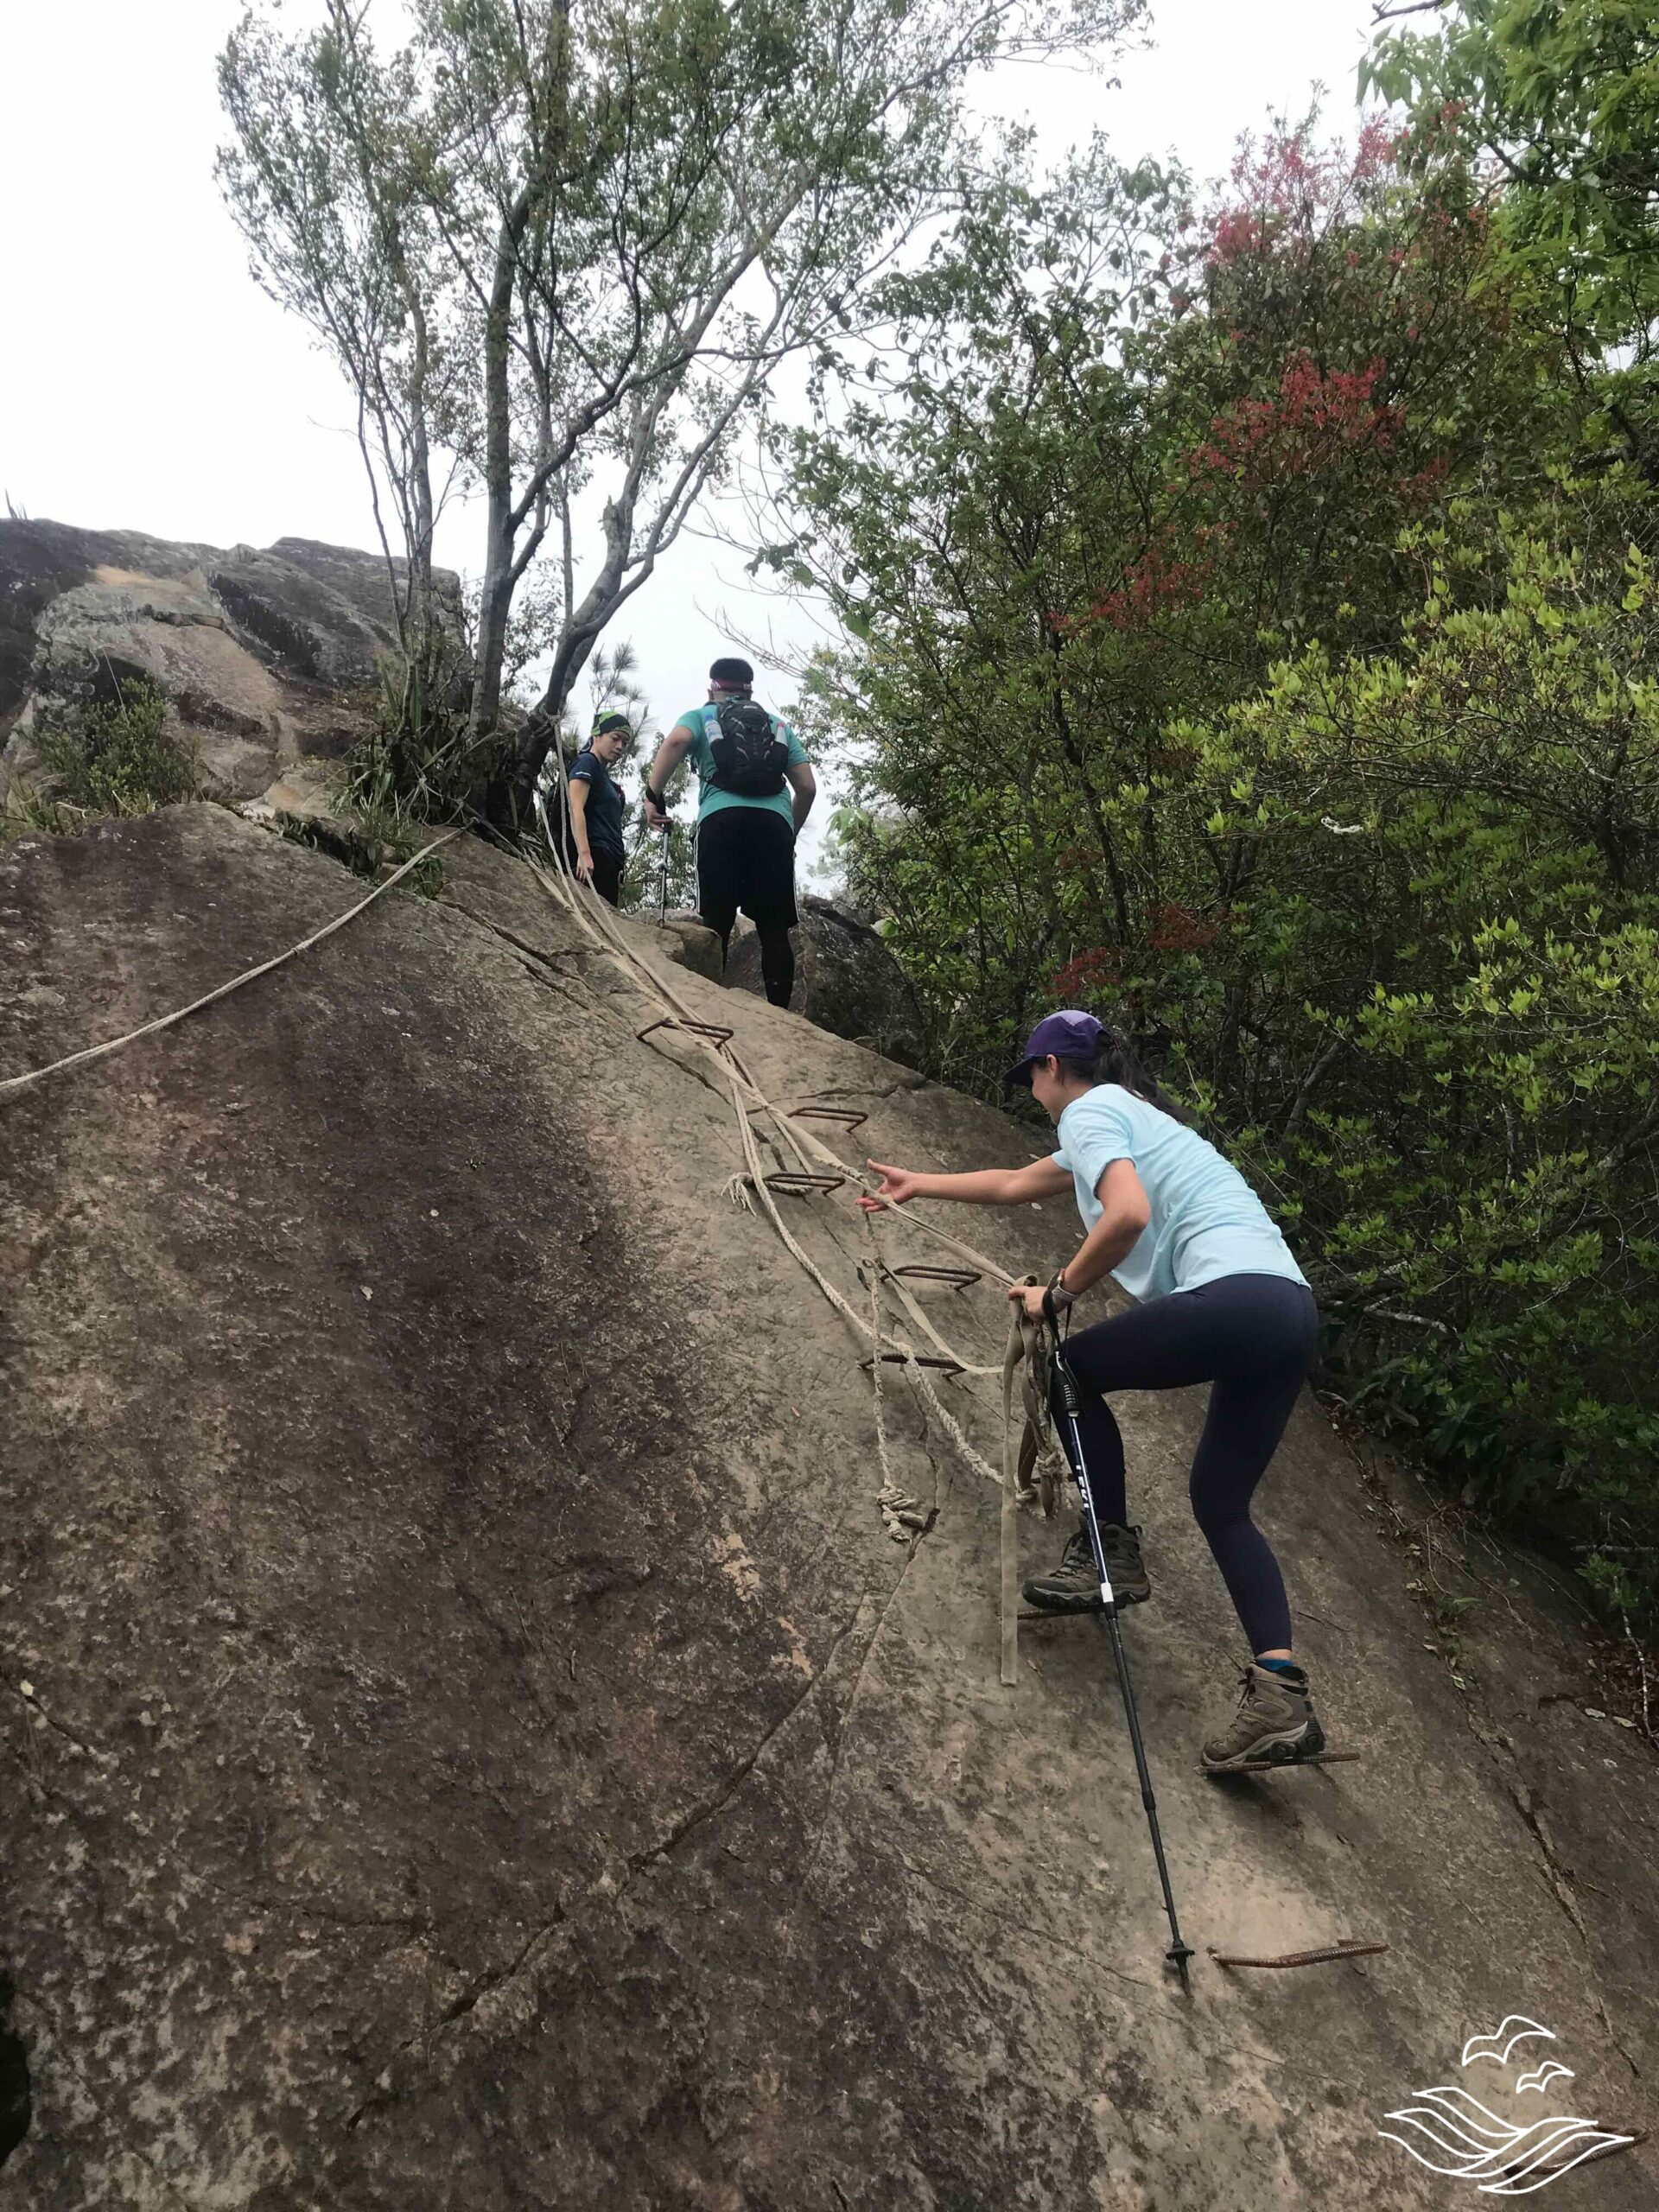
[776, 965]
[1252, 1338]
[777, 961]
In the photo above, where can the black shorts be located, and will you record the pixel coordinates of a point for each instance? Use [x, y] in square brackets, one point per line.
[746, 857]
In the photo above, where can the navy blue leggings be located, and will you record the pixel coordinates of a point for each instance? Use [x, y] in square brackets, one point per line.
[1253, 1337]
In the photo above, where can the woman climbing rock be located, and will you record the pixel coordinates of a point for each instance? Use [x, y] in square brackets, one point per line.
[1220, 1300]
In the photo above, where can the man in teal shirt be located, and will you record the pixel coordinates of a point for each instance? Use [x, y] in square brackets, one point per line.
[755, 789]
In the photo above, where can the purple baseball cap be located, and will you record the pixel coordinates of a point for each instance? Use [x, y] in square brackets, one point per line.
[1070, 1035]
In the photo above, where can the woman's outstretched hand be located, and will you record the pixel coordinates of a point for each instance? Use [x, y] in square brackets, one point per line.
[1030, 1296]
[898, 1183]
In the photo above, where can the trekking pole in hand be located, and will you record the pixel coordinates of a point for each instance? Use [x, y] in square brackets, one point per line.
[1071, 1404]
[662, 915]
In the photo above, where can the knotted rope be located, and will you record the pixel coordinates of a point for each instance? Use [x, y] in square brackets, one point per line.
[1028, 1354]
[1029, 1343]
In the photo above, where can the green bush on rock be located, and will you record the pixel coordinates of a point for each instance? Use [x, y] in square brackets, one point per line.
[119, 758]
[1429, 1014]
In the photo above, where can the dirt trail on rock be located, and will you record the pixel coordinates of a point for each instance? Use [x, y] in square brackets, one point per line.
[480, 1746]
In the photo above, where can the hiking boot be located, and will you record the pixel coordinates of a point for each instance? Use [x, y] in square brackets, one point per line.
[1073, 1586]
[1275, 1721]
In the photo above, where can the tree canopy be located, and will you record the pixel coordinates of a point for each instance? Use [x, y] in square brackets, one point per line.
[561, 246]
[1251, 636]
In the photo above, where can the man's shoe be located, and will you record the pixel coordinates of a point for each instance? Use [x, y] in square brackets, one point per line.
[1275, 1721]
[1074, 1588]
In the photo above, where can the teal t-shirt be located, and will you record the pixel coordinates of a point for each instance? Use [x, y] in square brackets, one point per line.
[1206, 1221]
[711, 797]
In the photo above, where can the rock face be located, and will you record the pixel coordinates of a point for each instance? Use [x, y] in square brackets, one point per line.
[846, 981]
[473, 1743]
[264, 657]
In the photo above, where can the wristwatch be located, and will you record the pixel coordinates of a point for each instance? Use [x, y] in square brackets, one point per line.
[1057, 1299]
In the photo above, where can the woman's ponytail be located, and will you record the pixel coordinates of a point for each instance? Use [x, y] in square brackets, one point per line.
[1116, 1061]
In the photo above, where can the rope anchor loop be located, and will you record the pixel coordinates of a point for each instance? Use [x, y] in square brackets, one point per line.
[846, 1117]
[914, 1359]
[712, 1030]
[1332, 1953]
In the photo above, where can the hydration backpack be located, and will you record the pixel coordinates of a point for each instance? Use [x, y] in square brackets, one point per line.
[749, 755]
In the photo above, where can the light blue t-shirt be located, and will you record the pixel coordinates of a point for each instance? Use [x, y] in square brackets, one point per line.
[699, 720]
[1206, 1221]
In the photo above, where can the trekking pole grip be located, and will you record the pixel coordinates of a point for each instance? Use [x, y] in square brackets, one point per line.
[1065, 1387]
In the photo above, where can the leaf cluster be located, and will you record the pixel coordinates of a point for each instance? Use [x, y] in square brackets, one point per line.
[1263, 667]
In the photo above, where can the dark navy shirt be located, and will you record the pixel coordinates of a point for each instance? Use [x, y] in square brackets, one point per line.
[604, 803]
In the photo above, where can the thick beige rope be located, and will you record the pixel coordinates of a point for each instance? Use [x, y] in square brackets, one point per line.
[597, 923]
[943, 1236]
[913, 1307]
[901, 1514]
[12, 1084]
[600, 925]
[1022, 1357]
[1008, 1532]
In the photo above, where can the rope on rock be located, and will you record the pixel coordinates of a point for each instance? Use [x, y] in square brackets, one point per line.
[600, 925]
[594, 919]
[1028, 1354]
[901, 1514]
[10, 1085]
[1027, 1345]
[882, 1339]
[1332, 1954]
[913, 1307]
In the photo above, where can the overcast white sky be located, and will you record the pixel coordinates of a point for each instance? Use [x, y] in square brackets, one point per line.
[147, 383]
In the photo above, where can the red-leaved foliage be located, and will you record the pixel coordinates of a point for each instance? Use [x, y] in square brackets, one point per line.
[1172, 928]
[1098, 973]
[1314, 420]
[1284, 187]
[1095, 974]
[1157, 580]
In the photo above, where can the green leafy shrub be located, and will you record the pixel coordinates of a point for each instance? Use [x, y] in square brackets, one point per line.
[418, 763]
[1416, 978]
[119, 758]
[1245, 637]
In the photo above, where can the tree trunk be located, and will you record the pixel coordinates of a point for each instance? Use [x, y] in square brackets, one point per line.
[421, 613]
[499, 535]
[583, 627]
[1073, 752]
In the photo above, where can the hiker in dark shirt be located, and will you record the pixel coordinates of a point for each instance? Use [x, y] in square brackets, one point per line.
[596, 806]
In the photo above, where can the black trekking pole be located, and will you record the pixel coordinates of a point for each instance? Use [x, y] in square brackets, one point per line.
[662, 915]
[1071, 1402]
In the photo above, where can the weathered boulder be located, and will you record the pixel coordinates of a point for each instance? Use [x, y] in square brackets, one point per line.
[687, 941]
[39, 560]
[473, 1742]
[323, 612]
[263, 657]
[846, 979]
